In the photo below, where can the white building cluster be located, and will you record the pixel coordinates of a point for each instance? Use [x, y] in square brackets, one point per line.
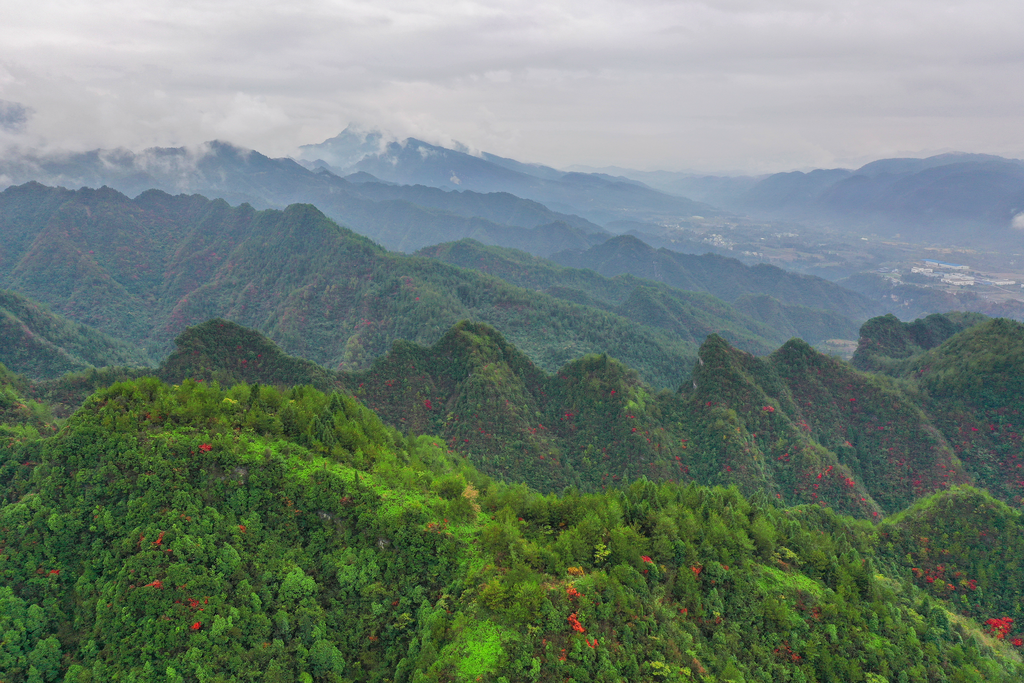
[957, 274]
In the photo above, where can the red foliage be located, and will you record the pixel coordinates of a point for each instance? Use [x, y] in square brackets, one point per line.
[576, 625]
[646, 559]
[205, 447]
[572, 593]
[196, 626]
[999, 627]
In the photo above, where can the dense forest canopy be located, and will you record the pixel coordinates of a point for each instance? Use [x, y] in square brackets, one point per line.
[353, 465]
[194, 532]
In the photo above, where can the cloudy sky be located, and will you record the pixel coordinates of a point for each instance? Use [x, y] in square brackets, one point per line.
[721, 85]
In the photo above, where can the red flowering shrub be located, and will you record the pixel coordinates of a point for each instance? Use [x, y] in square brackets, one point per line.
[999, 627]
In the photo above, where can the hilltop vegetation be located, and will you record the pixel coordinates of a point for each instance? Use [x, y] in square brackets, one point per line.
[797, 425]
[886, 342]
[199, 533]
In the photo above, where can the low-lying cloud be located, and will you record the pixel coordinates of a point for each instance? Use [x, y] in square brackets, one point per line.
[13, 116]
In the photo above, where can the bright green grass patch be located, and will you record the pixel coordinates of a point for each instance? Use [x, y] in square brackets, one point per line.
[772, 581]
[481, 649]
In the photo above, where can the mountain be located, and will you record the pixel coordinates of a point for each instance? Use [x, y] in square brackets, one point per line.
[402, 195]
[200, 533]
[40, 344]
[965, 199]
[797, 424]
[721, 276]
[692, 315]
[971, 384]
[975, 562]
[955, 198]
[401, 218]
[886, 343]
[143, 270]
[596, 197]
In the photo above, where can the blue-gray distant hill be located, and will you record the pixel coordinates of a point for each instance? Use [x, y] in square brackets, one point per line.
[964, 199]
[598, 197]
[720, 276]
[401, 218]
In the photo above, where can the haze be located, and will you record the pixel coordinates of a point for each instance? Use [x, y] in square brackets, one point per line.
[726, 86]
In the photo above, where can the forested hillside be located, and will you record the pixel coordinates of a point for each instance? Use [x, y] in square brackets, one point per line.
[721, 276]
[886, 343]
[194, 533]
[798, 425]
[40, 344]
[517, 508]
[692, 304]
[142, 270]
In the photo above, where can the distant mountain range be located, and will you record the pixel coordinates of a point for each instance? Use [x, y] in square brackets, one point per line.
[957, 198]
[494, 204]
[407, 194]
[597, 197]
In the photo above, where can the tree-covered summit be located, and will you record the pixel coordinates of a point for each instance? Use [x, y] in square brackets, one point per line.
[197, 533]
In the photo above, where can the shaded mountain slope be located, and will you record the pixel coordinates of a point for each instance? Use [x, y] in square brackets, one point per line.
[40, 344]
[819, 430]
[142, 270]
[720, 276]
[401, 218]
[655, 301]
[789, 321]
[973, 385]
[224, 352]
[797, 424]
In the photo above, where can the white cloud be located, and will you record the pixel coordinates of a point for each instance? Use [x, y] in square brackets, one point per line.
[724, 84]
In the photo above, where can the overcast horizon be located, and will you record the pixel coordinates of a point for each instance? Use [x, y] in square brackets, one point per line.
[711, 87]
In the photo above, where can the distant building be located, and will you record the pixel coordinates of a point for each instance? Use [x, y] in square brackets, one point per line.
[1000, 282]
[944, 265]
[926, 271]
[959, 280]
